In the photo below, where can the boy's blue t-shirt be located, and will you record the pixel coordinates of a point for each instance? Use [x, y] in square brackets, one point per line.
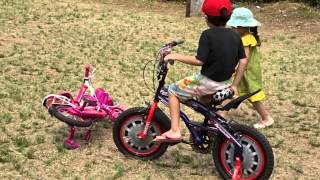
[220, 50]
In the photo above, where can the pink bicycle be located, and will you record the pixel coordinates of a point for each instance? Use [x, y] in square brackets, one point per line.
[84, 110]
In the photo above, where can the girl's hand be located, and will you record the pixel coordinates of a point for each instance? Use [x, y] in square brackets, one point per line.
[234, 88]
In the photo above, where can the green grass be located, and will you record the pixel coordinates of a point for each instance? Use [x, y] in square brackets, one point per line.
[60, 148]
[40, 139]
[5, 155]
[21, 142]
[6, 118]
[119, 168]
[30, 153]
[44, 46]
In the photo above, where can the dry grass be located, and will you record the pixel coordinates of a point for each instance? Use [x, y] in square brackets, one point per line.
[44, 45]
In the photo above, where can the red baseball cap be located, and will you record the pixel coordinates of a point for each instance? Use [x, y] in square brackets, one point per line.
[214, 7]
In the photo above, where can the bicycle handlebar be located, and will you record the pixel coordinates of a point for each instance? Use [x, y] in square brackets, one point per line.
[175, 42]
[165, 50]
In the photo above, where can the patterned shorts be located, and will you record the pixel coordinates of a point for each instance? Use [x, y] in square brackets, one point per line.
[195, 86]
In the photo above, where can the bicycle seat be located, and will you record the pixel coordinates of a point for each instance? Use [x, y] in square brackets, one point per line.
[222, 95]
[217, 97]
[90, 100]
[103, 97]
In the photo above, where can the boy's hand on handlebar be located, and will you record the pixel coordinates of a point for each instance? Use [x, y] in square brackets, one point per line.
[192, 60]
[171, 57]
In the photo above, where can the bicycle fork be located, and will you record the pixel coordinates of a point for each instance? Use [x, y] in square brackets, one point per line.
[153, 108]
[237, 170]
[237, 173]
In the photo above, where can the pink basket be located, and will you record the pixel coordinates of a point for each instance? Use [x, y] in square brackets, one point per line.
[103, 97]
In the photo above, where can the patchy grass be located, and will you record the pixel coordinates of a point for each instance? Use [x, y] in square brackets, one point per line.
[45, 44]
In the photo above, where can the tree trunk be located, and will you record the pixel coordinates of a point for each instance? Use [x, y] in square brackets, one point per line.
[188, 6]
[195, 7]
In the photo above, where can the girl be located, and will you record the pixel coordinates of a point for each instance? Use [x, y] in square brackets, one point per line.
[242, 21]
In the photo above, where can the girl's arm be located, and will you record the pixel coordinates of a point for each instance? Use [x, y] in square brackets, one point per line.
[241, 68]
[239, 73]
[247, 51]
[192, 60]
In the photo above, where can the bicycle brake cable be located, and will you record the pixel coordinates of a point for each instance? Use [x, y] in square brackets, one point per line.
[153, 78]
[145, 82]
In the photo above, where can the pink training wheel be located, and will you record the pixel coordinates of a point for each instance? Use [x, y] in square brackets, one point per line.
[70, 144]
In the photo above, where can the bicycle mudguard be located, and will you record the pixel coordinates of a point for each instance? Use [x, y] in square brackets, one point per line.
[60, 98]
[66, 94]
[236, 102]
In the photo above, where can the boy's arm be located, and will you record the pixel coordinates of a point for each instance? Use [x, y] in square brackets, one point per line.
[192, 60]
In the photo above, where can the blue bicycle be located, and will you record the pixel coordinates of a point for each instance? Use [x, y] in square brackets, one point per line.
[239, 151]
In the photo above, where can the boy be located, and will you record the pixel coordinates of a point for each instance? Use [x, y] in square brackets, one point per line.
[220, 51]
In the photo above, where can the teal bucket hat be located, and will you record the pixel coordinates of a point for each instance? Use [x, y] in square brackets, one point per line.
[242, 17]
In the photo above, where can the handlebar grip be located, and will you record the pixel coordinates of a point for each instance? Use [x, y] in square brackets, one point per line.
[177, 42]
[87, 70]
[171, 62]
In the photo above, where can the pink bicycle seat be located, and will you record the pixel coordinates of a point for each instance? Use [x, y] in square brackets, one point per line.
[103, 97]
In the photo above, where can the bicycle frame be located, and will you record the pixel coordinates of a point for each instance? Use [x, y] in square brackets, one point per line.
[210, 117]
[86, 84]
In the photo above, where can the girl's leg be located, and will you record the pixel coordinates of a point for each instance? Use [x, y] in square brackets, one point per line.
[266, 119]
[258, 106]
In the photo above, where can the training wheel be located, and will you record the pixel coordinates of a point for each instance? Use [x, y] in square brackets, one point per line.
[70, 144]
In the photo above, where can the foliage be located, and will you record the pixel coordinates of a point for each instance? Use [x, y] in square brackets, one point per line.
[315, 2]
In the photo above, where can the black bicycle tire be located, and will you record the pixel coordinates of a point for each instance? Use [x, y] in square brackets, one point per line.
[54, 110]
[259, 137]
